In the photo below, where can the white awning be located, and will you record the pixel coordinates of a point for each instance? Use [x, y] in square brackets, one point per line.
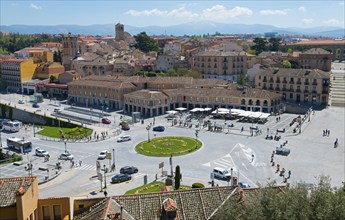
[180, 109]
[207, 109]
[172, 112]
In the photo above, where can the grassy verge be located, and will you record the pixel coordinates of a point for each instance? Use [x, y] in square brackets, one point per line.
[56, 132]
[150, 188]
[167, 146]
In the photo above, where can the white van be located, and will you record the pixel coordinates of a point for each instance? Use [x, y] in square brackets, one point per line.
[221, 173]
[57, 110]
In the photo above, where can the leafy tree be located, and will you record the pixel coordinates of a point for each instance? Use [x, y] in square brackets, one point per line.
[260, 44]
[172, 72]
[145, 43]
[53, 79]
[274, 43]
[286, 64]
[57, 57]
[177, 177]
[290, 50]
[242, 79]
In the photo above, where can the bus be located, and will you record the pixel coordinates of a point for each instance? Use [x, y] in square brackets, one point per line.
[11, 126]
[19, 145]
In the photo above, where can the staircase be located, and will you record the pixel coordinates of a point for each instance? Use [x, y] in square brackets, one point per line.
[337, 91]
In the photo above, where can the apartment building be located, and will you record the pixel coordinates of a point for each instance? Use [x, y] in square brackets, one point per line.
[16, 71]
[48, 69]
[37, 54]
[154, 103]
[315, 58]
[296, 85]
[222, 65]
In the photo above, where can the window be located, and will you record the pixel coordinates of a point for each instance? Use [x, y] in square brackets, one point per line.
[46, 212]
[216, 99]
[57, 212]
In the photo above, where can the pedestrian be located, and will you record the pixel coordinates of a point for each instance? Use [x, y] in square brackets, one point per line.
[156, 177]
[336, 143]
[289, 174]
[329, 132]
[252, 157]
[80, 163]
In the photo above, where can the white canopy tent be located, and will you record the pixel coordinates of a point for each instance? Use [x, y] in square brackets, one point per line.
[180, 109]
[172, 112]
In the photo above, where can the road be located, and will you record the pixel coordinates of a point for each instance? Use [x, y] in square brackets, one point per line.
[311, 155]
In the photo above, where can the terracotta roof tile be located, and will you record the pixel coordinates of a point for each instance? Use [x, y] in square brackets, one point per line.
[10, 187]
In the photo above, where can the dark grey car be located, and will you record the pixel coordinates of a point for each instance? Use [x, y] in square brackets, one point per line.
[128, 170]
[118, 178]
[282, 151]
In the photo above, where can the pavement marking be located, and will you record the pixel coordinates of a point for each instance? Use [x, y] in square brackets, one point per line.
[93, 182]
[86, 167]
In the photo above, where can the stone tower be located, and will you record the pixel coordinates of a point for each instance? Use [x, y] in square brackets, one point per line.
[70, 49]
[119, 32]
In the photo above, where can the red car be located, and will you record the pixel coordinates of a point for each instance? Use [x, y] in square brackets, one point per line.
[106, 121]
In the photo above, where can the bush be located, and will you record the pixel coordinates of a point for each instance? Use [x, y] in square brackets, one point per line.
[177, 177]
[198, 185]
[16, 157]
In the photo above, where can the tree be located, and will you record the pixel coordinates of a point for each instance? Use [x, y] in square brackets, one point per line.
[145, 43]
[242, 79]
[290, 50]
[260, 44]
[53, 79]
[57, 56]
[274, 43]
[286, 64]
[177, 177]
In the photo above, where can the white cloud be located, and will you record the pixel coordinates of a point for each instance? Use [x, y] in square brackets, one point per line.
[274, 12]
[36, 7]
[333, 22]
[302, 9]
[307, 20]
[217, 12]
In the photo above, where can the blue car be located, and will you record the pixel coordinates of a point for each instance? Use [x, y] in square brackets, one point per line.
[158, 128]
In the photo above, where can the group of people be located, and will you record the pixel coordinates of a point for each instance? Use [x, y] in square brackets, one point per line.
[326, 132]
[73, 164]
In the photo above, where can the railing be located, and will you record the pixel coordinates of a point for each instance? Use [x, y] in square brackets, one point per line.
[284, 81]
[264, 80]
[298, 90]
[306, 83]
[292, 82]
[299, 82]
[306, 91]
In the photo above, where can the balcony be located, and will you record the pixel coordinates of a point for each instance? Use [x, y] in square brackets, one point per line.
[277, 89]
[314, 83]
[271, 88]
[264, 80]
[306, 83]
[264, 87]
[292, 82]
[271, 80]
[225, 67]
[283, 89]
[306, 91]
[314, 91]
[298, 90]
[299, 82]
[225, 60]
[278, 81]
[284, 81]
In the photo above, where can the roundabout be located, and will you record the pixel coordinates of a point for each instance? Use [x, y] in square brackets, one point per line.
[168, 146]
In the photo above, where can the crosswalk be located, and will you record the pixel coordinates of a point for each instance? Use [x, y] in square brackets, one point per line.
[243, 155]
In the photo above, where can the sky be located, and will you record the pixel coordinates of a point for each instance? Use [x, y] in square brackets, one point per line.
[141, 13]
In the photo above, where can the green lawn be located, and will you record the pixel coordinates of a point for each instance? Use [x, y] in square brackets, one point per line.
[150, 188]
[167, 146]
[56, 132]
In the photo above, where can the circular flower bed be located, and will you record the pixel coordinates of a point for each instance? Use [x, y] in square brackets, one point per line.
[167, 146]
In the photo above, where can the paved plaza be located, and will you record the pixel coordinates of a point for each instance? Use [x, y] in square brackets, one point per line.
[312, 154]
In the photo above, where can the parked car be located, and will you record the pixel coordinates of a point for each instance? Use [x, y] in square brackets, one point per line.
[57, 110]
[282, 151]
[124, 125]
[221, 173]
[244, 185]
[21, 101]
[128, 170]
[118, 178]
[124, 138]
[35, 105]
[40, 152]
[159, 128]
[106, 121]
[66, 156]
[102, 155]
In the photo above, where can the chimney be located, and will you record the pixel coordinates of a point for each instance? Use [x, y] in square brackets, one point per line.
[169, 210]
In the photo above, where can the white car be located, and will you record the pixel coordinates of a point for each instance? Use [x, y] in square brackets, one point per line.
[66, 156]
[124, 138]
[102, 155]
[57, 110]
[40, 152]
[21, 101]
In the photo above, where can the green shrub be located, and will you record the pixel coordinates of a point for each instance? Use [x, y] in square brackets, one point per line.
[198, 185]
[177, 177]
[16, 157]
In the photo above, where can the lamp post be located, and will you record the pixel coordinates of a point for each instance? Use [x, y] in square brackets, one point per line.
[0, 140]
[65, 147]
[196, 139]
[105, 177]
[148, 127]
[34, 130]
[114, 158]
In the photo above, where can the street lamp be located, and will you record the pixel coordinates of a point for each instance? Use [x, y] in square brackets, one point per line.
[196, 139]
[114, 158]
[148, 127]
[65, 147]
[105, 180]
[0, 140]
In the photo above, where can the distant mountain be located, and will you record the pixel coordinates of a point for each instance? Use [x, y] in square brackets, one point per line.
[191, 28]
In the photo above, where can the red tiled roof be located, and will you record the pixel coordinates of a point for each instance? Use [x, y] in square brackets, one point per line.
[10, 187]
[321, 42]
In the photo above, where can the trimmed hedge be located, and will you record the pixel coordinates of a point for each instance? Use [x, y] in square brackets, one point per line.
[198, 185]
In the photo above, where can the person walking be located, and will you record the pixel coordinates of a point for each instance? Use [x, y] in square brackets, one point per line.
[289, 173]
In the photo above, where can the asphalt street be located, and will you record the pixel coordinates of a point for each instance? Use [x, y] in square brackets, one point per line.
[311, 155]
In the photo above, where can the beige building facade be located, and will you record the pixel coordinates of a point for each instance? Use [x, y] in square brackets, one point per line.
[222, 65]
[296, 85]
